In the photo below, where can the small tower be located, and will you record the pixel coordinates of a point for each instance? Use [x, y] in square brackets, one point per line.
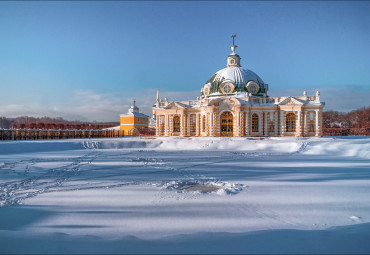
[133, 121]
[233, 60]
[133, 108]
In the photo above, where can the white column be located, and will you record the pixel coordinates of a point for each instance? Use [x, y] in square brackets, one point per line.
[197, 129]
[170, 125]
[216, 124]
[247, 123]
[276, 123]
[188, 125]
[282, 126]
[265, 122]
[166, 125]
[157, 125]
[317, 123]
[206, 127]
[299, 123]
[305, 126]
[182, 125]
[238, 122]
[211, 124]
[242, 123]
[260, 122]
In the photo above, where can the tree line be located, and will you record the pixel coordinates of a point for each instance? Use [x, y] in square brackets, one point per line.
[359, 118]
[356, 122]
[26, 122]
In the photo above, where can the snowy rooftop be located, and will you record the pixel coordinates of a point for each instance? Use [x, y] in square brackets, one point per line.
[136, 114]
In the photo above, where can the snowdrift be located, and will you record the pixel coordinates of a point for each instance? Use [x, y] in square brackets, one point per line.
[315, 146]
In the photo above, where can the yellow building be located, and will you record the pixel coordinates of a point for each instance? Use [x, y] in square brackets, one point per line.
[234, 102]
[133, 121]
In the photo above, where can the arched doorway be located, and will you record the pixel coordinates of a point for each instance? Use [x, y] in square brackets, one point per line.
[226, 120]
[134, 132]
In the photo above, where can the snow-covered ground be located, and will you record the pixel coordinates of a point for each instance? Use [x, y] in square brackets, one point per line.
[185, 195]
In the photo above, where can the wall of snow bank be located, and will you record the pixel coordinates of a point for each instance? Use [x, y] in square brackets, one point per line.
[340, 147]
[318, 146]
[231, 144]
[198, 143]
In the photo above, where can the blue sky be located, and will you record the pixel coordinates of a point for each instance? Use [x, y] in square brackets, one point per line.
[88, 60]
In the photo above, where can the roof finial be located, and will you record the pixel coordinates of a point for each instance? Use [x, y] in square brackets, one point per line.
[134, 103]
[233, 36]
[233, 47]
[157, 95]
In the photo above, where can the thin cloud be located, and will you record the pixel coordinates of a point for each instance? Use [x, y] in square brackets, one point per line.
[336, 98]
[87, 105]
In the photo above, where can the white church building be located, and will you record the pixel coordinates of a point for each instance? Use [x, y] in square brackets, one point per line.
[235, 102]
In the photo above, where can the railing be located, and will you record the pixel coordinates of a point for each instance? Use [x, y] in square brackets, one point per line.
[193, 103]
[163, 104]
[311, 98]
[34, 134]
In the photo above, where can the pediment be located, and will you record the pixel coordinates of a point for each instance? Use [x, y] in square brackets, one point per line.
[175, 106]
[291, 101]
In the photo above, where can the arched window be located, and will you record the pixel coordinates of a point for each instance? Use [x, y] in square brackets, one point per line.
[290, 122]
[254, 122]
[226, 124]
[176, 124]
[204, 123]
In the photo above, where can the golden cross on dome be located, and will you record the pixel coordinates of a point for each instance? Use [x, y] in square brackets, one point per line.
[233, 36]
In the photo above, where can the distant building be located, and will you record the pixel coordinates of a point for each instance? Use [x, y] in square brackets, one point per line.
[234, 102]
[133, 121]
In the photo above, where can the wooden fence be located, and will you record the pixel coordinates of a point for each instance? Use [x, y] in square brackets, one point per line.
[33, 134]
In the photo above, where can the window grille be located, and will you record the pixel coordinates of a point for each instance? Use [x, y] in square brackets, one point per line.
[176, 124]
[290, 122]
[255, 122]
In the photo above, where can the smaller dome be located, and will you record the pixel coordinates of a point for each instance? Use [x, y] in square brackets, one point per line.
[237, 75]
[234, 79]
[238, 79]
[133, 108]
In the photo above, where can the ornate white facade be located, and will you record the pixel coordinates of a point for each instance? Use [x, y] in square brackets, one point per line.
[234, 102]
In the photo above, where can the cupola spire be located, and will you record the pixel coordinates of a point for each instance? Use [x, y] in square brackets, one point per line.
[233, 36]
[233, 60]
[233, 47]
[133, 107]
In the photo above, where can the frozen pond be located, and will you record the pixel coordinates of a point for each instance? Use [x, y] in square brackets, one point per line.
[182, 195]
